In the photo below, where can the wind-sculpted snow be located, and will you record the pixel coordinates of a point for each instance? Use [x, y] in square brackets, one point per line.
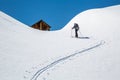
[39, 72]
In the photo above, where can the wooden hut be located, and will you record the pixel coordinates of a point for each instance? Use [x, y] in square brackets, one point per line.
[41, 25]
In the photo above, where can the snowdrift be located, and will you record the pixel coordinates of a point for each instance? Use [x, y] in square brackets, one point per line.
[23, 50]
[101, 63]
[30, 54]
[99, 23]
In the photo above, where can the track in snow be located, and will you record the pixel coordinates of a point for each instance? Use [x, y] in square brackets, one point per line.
[39, 72]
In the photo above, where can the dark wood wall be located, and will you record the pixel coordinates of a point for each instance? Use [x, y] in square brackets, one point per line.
[41, 25]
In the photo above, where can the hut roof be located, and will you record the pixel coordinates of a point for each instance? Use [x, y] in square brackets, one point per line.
[43, 22]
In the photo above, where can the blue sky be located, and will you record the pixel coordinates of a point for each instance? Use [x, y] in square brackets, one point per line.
[57, 13]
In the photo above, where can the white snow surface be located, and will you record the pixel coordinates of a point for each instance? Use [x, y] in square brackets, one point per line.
[30, 54]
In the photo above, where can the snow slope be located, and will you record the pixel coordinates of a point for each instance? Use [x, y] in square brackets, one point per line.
[24, 50]
[29, 54]
[102, 63]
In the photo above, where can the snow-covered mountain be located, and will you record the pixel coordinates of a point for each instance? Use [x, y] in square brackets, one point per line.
[30, 54]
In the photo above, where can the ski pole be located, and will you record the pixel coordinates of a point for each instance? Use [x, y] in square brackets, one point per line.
[80, 33]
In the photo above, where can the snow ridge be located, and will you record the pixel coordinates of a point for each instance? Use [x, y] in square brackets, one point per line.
[39, 72]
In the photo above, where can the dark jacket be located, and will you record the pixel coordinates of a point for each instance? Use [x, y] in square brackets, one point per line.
[76, 27]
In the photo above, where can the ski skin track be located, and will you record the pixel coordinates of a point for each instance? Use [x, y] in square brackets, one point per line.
[39, 72]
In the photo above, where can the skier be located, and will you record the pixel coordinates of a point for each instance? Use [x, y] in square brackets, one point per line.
[76, 27]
